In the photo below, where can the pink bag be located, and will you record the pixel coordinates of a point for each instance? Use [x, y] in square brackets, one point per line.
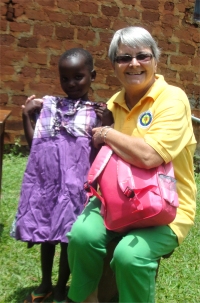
[132, 197]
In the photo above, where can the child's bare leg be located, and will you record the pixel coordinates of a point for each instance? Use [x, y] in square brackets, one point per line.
[47, 256]
[92, 298]
[63, 275]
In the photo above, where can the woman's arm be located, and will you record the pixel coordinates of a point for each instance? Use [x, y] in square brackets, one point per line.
[132, 149]
[31, 105]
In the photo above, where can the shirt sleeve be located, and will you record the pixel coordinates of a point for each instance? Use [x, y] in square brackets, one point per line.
[171, 129]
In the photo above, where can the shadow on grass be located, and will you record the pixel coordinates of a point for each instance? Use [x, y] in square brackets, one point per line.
[20, 294]
[1, 230]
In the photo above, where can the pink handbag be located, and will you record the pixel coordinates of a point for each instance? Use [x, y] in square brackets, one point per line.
[132, 197]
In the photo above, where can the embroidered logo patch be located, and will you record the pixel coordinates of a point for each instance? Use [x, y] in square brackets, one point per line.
[145, 119]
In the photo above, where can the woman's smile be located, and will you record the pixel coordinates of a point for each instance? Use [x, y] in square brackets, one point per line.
[134, 77]
[134, 73]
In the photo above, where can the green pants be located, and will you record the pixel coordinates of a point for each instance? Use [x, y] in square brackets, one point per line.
[134, 262]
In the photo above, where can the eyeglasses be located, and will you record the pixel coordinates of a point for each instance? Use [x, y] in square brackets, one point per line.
[142, 58]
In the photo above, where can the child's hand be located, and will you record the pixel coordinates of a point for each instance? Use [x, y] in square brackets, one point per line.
[32, 105]
[107, 117]
[104, 114]
[99, 109]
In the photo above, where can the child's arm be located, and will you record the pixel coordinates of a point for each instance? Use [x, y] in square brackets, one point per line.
[31, 106]
[104, 114]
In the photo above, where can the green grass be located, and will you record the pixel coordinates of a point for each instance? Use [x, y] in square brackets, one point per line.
[20, 267]
[179, 276]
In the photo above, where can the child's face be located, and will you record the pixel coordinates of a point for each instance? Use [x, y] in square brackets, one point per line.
[75, 77]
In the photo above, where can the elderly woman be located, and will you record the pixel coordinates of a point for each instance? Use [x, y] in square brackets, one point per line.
[152, 125]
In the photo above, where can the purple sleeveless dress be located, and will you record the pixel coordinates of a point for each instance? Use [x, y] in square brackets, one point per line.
[52, 193]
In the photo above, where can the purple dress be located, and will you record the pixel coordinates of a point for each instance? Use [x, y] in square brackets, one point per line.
[52, 193]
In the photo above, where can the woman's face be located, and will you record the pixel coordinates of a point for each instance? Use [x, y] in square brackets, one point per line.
[137, 75]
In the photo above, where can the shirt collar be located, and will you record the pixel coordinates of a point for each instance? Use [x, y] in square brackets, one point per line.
[155, 90]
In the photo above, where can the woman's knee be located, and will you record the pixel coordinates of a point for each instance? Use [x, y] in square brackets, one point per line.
[128, 262]
[122, 256]
[84, 234]
[89, 227]
[130, 252]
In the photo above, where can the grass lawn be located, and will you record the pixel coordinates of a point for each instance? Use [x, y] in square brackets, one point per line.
[179, 276]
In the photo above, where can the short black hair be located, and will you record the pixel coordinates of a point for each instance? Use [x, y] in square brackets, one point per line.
[75, 52]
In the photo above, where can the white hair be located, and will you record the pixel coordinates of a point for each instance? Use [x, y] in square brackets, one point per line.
[133, 36]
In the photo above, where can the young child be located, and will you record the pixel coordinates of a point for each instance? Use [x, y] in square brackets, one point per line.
[52, 194]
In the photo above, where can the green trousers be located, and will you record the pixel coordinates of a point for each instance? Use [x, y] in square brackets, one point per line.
[134, 262]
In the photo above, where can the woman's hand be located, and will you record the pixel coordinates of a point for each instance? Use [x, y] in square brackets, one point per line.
[99, 135]
[97, 138]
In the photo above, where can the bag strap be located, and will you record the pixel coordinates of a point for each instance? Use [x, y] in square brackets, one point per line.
[125, 177]
[126, 181]
[99, 163]
[95, 170]
[124, 173]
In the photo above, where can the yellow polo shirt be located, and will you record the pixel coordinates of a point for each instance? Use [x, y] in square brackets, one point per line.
[163, 118]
